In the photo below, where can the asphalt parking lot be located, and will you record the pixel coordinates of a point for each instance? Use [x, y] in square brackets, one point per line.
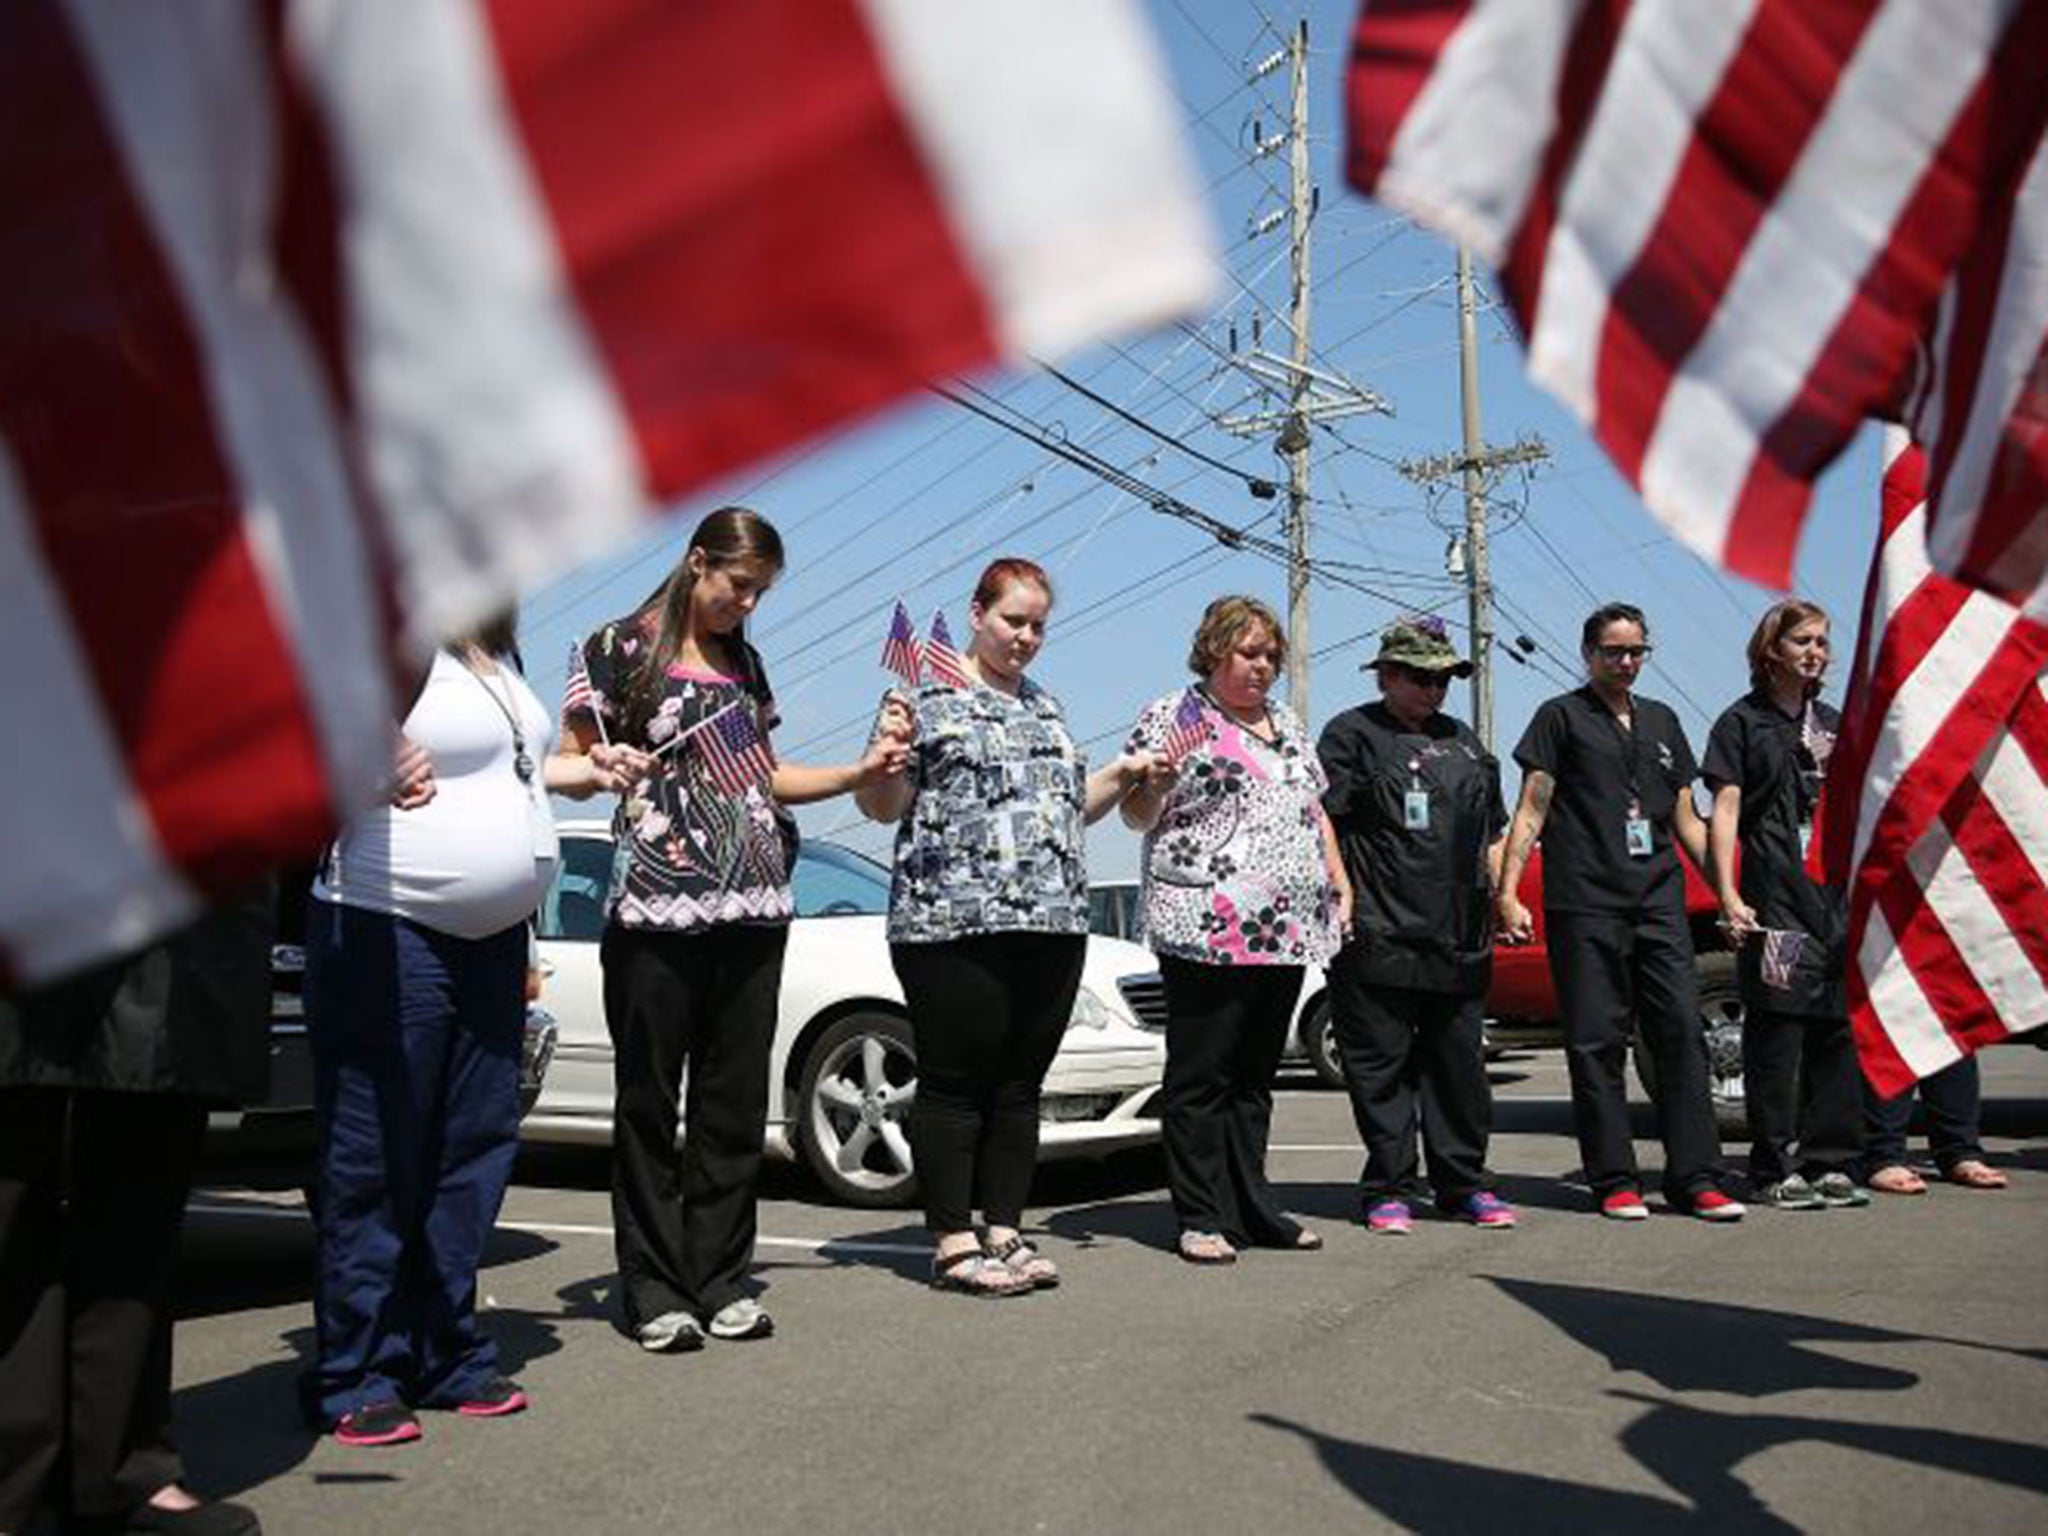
[1855, 1371]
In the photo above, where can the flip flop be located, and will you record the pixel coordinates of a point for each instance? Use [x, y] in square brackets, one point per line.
[1896, 1179]
[1975, 1173]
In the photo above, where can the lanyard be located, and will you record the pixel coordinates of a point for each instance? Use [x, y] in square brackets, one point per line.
[1631, 745]
[521, 763]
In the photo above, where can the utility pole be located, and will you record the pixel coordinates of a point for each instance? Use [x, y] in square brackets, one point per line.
[1478, 466]
[1308, 394]
[1294, 440]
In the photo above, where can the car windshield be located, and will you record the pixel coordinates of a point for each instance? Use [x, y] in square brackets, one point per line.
[830, 881]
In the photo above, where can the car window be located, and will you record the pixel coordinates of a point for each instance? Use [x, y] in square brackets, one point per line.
[1113, 910]
[574, 905]
[831, 881]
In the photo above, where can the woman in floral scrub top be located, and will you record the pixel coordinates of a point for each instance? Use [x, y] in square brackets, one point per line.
[698, 916]
[1243, 889]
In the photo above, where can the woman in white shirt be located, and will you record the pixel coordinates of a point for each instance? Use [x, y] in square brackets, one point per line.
[416, 957]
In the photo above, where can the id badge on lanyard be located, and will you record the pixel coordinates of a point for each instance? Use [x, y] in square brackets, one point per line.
[1415, 804]
[1640, 845]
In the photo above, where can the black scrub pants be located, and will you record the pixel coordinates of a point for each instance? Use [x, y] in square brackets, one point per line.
[1411, 1055]
[1954, 1101]
[92, 1196]
[1612, 971]
[1799, 1087]
[684, 1224]
[987, 1013]
[1225, 1028]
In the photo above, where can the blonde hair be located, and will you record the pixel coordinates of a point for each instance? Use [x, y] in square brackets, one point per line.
[1224, 623]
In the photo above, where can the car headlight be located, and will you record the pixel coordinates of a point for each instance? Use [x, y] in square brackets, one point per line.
[1090, 1012]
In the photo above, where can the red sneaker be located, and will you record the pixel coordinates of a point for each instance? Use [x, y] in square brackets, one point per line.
[1712, 1205]
[1625, 1205]
[377, 1424]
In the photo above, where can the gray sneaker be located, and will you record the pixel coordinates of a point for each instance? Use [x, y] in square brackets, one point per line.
[1840, 1189]
[672, 1333]
[741, 1319]
[1793, 1194]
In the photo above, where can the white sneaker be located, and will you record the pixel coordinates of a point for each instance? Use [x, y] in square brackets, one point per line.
[671, 1333]
[741, 1319]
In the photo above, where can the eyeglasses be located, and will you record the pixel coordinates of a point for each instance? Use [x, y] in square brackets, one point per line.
[1624, 652]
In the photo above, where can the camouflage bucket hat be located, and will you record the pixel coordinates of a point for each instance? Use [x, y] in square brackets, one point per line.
[1420, 641]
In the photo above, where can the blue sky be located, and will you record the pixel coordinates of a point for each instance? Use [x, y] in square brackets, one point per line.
[915, 501]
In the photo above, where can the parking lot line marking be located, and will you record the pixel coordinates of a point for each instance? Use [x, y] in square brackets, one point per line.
[826, 1246]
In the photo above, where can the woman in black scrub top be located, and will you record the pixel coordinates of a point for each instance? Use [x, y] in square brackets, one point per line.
[1765, 758]
[1607, 783]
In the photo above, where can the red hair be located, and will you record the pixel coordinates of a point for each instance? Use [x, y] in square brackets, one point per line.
[1010, 571]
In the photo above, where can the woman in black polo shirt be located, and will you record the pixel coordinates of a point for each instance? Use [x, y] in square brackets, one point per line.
[1765, 758]
[1607, 783]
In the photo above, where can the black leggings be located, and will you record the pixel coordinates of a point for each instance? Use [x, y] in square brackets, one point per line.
[987, 1014]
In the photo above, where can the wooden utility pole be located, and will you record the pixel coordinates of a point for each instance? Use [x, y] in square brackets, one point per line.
[1478, 466]
[1294, 439]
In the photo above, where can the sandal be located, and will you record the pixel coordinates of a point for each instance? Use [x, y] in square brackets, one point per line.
[1896, 1179]
[1975, 1173]
[972, 1272]
[1025, 1262]
[1207, 1248]
[1305, 1241]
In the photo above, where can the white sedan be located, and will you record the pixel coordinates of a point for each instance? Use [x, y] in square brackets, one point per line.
[843, 1072]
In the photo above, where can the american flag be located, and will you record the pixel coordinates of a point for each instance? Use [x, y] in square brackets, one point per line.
[901, 653]
[1782, 948]
[1731, 234]
[331, 326]
[941, 661]
[1187, 730]
[735, 753]
[1728, 230]
[1943, 756]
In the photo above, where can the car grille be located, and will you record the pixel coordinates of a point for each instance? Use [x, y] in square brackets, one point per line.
[1145, 995]
[1077, 1106]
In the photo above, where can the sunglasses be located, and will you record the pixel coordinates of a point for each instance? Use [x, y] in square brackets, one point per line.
[1624, 652]
[1422, 677]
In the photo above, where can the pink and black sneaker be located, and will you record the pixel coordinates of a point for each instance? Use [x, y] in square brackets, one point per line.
[388, 1423]
[494, 1399]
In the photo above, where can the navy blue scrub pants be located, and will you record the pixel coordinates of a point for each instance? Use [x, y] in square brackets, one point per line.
[415, 1037]
[1953, 1099]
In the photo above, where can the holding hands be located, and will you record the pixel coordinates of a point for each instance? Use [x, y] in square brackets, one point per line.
[412, 775]
[616, 769]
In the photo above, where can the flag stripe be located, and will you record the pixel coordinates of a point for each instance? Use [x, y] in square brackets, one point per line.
[1061, 239]
[1401, 52]
[1746, 140]
[182, 93]
[1799, 273]
[1989, 477]
[1584, 70]
[71, 828]
[1664, 71]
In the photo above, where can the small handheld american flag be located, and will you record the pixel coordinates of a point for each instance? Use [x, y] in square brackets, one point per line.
[941, 661]
[1782, 947]
[736, 755]
[901, 653]
[1188, 729]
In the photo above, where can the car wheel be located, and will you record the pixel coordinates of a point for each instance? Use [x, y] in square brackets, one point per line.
[853, 1110]
[1320, 1029]
[1721, 1014]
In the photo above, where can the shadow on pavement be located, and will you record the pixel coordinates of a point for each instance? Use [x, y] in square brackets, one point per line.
[1695, 1453]
[1697, 1346]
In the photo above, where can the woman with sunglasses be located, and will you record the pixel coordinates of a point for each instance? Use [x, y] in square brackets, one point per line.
[1765, 760]
[1416, 802]
[1607, 783]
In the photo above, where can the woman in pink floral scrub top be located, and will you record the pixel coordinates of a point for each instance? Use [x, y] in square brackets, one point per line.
[1243, 889]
